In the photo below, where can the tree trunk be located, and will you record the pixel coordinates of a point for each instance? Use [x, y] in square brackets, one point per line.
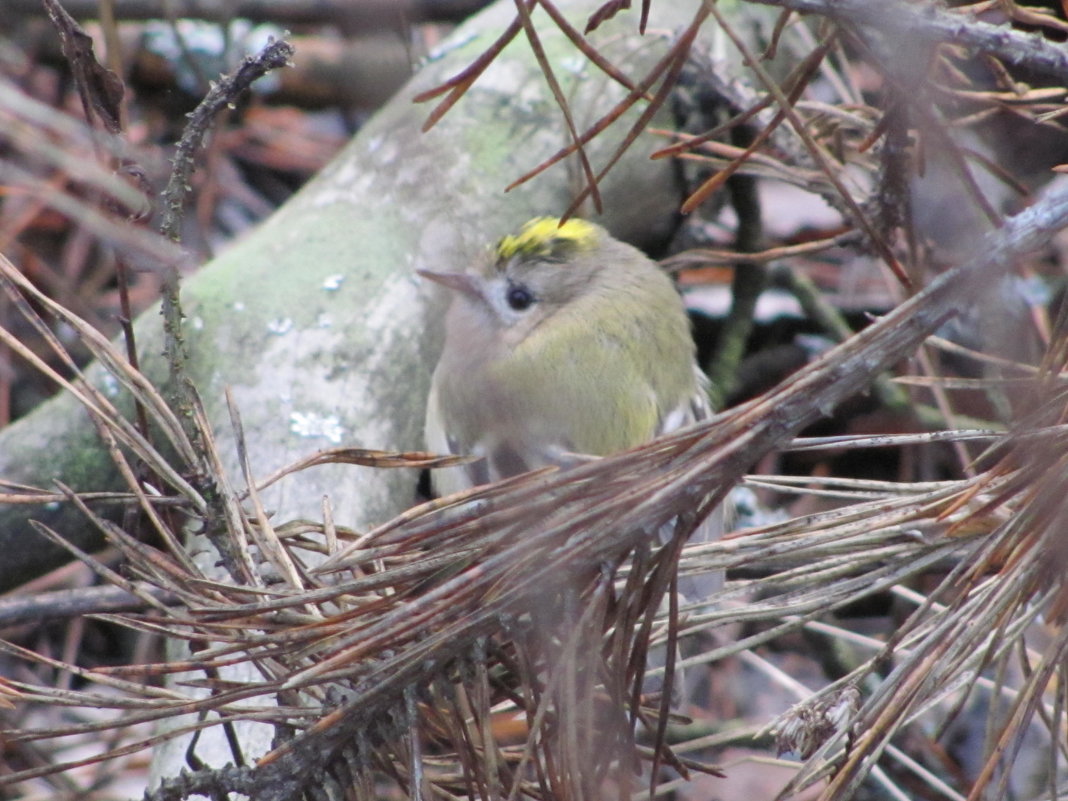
[316, 321]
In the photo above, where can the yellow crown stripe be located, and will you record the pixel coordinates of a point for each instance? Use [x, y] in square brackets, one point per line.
[543, 234]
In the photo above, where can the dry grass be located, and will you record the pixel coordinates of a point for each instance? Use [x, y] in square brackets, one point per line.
[515, 641]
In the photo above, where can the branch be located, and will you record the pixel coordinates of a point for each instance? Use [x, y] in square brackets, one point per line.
[60, 604]
[930, 23]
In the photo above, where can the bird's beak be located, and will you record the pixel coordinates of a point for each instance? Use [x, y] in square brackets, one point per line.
[461, 282]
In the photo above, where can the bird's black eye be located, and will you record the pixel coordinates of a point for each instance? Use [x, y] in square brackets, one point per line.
[519, 297]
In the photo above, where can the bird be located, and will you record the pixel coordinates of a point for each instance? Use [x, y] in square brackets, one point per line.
[562, 343]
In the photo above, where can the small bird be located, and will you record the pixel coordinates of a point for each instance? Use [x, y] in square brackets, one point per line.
[565, 343]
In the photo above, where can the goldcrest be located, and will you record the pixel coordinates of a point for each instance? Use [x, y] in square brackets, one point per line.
[565, 343]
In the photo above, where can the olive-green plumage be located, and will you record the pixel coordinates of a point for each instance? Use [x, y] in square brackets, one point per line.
[565, 342]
